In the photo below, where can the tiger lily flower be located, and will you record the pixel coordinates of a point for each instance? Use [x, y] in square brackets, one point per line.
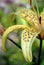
[29, 33]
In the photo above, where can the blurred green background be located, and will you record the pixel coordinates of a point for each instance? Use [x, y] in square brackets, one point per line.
[14, 55]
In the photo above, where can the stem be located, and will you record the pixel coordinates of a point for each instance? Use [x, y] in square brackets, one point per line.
[40, 50]
[14, 43]
[30, 2]
[37, 7]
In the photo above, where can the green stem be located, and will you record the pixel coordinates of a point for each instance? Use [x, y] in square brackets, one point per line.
[37, 7]
[40, 50]
[14, 43]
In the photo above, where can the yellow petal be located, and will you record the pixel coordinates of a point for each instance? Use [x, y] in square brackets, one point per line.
[27, 39]
[30, 16]
[10, 29]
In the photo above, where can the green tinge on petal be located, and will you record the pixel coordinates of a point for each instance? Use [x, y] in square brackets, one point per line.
[30, 16]
[27, 39]
[10, 29]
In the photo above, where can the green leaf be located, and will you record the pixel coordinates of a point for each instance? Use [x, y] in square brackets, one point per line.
[21, 21]
[8, 20]
[42, 62]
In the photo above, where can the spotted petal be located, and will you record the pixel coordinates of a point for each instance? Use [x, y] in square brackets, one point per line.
[30, 16]
[27, 39]
[10, 29]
